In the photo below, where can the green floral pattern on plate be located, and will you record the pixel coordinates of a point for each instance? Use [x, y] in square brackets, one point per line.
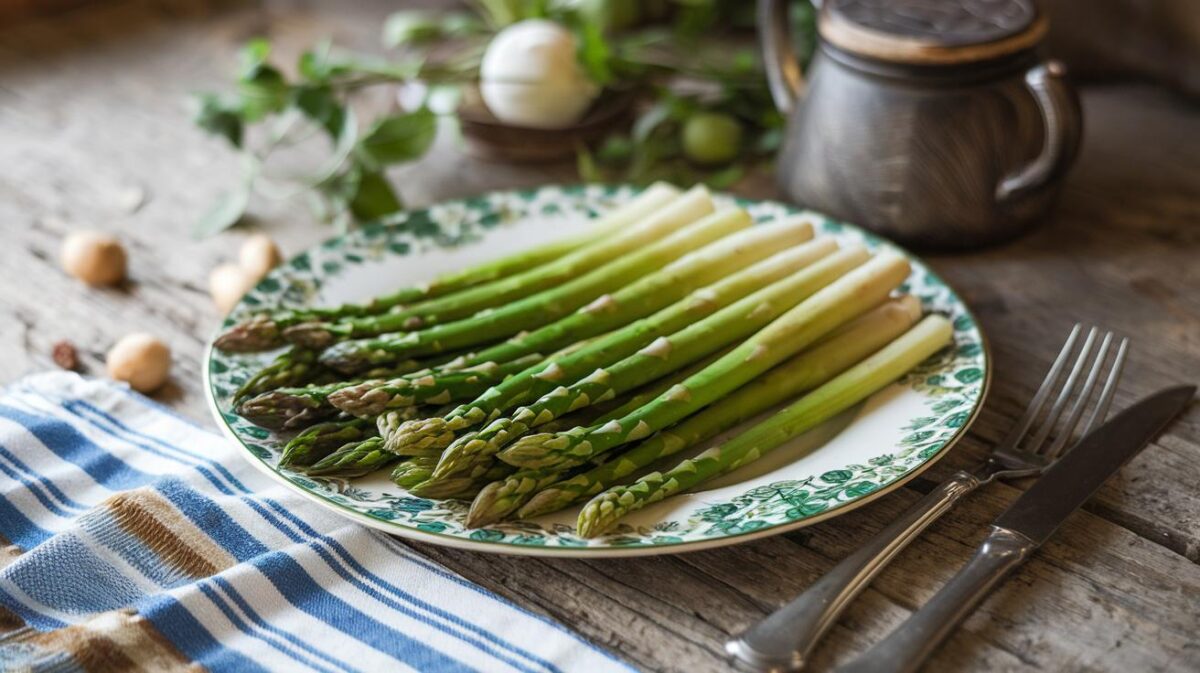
[951, 384]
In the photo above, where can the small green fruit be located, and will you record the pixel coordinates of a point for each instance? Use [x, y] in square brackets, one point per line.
[711, 138]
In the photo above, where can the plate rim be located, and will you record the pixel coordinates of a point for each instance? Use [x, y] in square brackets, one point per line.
[609, 551]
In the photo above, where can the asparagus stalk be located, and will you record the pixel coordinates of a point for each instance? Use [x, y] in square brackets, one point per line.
[291, 407]
[322, 439]
[684, 210]
[497, 498]
[601, 513]
[265, 331]
[293, 367]
[372, 398]
[844, 299]
[438, 431]
[461, 487]
[413, 471]
[841, 350]
[662, 356]
[535, 310]
[657, 290]
[354, 459]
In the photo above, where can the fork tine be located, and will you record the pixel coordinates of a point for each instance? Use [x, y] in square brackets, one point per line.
[1064, 395]
[1081, 401]
[1032, 411]
[1110, 388]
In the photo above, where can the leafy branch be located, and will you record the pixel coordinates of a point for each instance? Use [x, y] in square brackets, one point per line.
[702, 117]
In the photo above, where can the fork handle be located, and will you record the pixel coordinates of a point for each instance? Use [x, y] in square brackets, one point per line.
[783, 641]
[906, 649]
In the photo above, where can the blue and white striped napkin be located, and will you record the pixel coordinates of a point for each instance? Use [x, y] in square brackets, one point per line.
[139, 541]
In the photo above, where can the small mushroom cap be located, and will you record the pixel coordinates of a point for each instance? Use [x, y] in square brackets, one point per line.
[259, 255]
[93, 257]
[227, 283]
[142, 360]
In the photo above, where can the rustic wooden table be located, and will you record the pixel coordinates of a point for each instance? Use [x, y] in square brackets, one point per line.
[94, 132]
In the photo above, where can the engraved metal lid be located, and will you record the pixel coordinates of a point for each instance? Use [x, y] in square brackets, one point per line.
[931, 31]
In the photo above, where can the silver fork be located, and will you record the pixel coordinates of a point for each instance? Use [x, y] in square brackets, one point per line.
[784, 640]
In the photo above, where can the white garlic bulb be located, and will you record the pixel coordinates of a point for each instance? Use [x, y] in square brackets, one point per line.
[530, 76]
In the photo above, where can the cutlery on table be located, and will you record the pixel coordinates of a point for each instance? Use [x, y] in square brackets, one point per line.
[1024, 527]
[783, 640]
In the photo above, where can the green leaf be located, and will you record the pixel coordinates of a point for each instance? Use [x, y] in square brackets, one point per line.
[314, 64]
[585, 163]
[263, 92]
[321, 105]
[229, 208]
[398, 138]
[219, 118]
[417, 26]
[593, 52]
[263, 89]
[411, 26]
[374, 197]
[726, 177]
[615, 149]
[253, 55]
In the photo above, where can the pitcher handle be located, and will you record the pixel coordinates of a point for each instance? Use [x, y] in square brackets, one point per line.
[784, 76]
[1064, 126]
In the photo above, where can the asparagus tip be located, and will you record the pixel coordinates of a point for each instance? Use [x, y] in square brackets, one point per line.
[545, 501]
[532, 451]
[482, 510]
[278, 410]
[256, 334]
[599, 514]
[420, 437]
[309, 335]
[441, 488]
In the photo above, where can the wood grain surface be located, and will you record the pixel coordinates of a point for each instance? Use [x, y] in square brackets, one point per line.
[95, 132]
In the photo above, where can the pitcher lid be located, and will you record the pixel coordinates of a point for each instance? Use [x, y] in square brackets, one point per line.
[931, 32]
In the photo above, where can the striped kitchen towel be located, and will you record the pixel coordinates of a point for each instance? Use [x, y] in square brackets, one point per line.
[139, 541]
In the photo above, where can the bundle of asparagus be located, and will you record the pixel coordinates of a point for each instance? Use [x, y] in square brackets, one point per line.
[548, 377]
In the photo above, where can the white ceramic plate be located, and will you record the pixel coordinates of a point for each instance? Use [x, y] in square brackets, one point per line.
[850, 460]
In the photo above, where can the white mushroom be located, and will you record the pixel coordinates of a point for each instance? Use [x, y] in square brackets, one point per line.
[141, 360]
[258, 255]
[227, 283]
[94, 258]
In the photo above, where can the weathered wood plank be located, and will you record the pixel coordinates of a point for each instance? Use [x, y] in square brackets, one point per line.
[92, 106]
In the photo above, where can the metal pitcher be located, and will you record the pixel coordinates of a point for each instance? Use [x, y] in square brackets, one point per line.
[931, 122]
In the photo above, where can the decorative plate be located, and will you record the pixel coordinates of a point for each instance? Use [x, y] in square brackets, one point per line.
[852, 459]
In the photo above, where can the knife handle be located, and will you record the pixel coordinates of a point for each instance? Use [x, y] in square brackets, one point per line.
[907, 648]
[783, 641]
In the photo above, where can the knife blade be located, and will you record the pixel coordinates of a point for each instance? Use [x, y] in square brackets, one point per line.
[1022, 528]
[1067, 484]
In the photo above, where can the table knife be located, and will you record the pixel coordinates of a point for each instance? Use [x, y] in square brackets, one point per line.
[1022, 528]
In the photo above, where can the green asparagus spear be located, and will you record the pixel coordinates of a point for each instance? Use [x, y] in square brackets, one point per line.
[535, 310]
[412, 471]
[662, 356]
[602, 512]
[293, 367]
[845, 347]
[265, 331]
[438, 431]
[287, 408]
[839, 302]
[320, 440]
[354, 460]
[693, 205]
[497, 498]
[459, 487]
[372, 398]
[657, 290]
